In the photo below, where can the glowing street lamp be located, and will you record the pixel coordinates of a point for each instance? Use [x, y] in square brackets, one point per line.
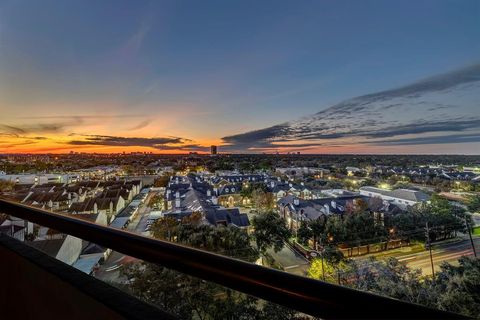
[384, 186]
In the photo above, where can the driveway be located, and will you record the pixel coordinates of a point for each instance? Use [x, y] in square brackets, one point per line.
[291, 261]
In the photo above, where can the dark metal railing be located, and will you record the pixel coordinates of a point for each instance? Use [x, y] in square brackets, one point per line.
[306, 295]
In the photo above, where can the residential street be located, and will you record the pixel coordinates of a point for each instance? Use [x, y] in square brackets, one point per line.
[110, 270]
[449, 251]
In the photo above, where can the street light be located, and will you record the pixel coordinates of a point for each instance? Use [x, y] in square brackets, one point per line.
[384, 186]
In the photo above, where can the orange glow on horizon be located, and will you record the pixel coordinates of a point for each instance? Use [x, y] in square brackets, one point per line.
[60, 144]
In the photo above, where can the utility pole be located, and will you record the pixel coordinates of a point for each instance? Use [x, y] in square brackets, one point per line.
[427, 234]
[470, 235]
[323, 264]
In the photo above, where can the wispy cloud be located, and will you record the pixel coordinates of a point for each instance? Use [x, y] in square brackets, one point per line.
[41, 128]
[141, 125]
[409, 115]
[82, 116]
[461, 138]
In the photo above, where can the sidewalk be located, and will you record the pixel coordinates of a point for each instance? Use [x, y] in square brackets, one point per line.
[413, 248]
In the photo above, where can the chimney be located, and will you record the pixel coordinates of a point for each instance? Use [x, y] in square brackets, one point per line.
[177, 203]
[327, 209]
[214, 200]
[177, 194]
[209, 193]
[272, 184]
[296, 201]
[215, 191]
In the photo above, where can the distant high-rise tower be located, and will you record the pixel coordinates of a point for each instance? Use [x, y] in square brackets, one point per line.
[213, 150]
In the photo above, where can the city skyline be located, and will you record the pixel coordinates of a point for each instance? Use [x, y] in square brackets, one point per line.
[109, 77]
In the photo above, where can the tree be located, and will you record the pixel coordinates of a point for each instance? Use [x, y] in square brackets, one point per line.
[375, 203]
[270, 231]
[335, 228]
[156, 201]
[274, 311]
[6, 186]
[457, 287]
[304, 233]
[360, 205]
[191, 298]
[473, 203]
[262, 200]
[194, 219]
[185, 296]
[443, 218]
[333, 185]
[390, 278]
[162, 181]
[327, 267]
[165, 228]
[128, 169]
[229, 241]
[258, 193]
[332, 255]
[318, 231]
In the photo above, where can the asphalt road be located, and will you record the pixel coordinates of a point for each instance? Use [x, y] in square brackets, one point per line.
[449, 252]
[442, 252]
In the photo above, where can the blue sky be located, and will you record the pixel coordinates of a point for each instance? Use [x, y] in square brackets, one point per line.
[202, 70]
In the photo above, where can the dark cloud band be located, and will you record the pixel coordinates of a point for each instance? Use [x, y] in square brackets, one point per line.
[368, 119]
[160, 143]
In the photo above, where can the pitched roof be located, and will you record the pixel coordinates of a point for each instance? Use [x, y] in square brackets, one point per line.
[50, 247]
[77, 207]
[228, 216]
[44, 197]
[313, 209]
[230, 189]
[93, 248]
[404, 194]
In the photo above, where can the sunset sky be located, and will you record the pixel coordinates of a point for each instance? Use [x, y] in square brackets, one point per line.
[178, 76]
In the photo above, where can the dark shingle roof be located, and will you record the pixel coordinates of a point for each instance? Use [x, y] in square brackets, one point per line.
[50, 247]
[228, 216]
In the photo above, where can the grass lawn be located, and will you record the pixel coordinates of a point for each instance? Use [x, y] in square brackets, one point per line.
[476, 231]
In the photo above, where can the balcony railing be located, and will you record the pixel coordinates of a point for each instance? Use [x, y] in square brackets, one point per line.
[306, 295]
